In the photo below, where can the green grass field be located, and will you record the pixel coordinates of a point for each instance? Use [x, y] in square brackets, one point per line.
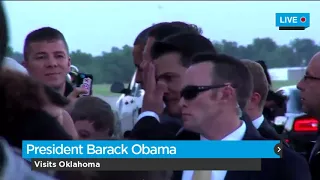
[104, 89]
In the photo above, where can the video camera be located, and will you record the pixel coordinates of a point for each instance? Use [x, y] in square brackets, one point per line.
[78, 79]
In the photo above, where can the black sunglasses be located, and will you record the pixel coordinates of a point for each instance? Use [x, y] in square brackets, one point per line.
[191, 92]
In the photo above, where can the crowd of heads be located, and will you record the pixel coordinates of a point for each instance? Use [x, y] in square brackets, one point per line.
[193, 74]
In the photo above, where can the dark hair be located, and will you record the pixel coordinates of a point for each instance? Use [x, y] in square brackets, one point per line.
[189, 27]
[142, 37]
[3, 33]
[186, 44]
[96, 110]
[165, 29]
[266, 72]
[277, 97]
[43, 34]
[229, 69]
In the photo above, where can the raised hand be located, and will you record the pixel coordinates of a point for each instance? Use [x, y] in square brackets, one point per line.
[154, 90]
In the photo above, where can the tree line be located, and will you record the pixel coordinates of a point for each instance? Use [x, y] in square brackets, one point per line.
[117, 64]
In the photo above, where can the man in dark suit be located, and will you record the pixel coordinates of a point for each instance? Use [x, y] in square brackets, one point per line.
[310, 98]
[169, 70]
[257, 100]
[170, 59]
[211, 82]
[141, 52]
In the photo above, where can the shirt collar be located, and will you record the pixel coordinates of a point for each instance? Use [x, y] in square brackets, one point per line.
[257, 122]
[236, 135]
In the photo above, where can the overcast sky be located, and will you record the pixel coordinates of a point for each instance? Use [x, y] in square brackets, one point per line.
[97, 26]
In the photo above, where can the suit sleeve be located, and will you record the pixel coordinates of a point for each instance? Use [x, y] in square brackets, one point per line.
[149, 128]
[296, 166]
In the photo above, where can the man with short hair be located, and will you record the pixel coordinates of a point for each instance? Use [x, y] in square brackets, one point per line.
[214, 81]
[157, 32]
[256, 103]
[46, 58]
[141, 54]
[170, 59]
[162, 30]
[310, 98]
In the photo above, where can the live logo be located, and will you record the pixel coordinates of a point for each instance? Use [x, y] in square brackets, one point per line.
[291, 20]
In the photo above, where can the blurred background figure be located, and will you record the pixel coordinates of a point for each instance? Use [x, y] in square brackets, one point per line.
[276, 103]
[12, 64]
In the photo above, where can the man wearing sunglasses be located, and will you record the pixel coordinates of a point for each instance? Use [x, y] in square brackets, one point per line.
[257, 100]
[309, 86]
[210, 107]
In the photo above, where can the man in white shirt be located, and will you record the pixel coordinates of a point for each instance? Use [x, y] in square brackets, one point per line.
[211, 81]
[257, 100]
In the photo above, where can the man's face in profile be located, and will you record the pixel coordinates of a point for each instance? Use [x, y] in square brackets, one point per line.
[309, 87]
[48, 62]
[195, 111]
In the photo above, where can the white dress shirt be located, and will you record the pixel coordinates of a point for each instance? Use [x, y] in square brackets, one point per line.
[148, 113]
[236, 135]
[257, 122]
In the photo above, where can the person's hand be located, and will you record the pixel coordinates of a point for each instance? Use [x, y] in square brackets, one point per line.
[73, 96]
[154, 90]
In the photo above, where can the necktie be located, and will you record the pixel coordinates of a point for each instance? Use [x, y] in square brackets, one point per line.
[201, 175]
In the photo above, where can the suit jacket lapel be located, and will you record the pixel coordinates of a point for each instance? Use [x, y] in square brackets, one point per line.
[267, 131]
[250, 134]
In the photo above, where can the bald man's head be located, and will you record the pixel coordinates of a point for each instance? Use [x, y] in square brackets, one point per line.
[309, 86]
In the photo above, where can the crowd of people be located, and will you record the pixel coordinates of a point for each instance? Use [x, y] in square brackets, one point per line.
[192, 92]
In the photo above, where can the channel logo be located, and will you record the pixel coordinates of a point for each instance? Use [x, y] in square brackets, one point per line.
[292, 21]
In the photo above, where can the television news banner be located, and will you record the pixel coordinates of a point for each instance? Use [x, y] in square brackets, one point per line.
[159, 155]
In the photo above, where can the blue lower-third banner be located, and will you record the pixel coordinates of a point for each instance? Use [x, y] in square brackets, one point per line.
[151, 149]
